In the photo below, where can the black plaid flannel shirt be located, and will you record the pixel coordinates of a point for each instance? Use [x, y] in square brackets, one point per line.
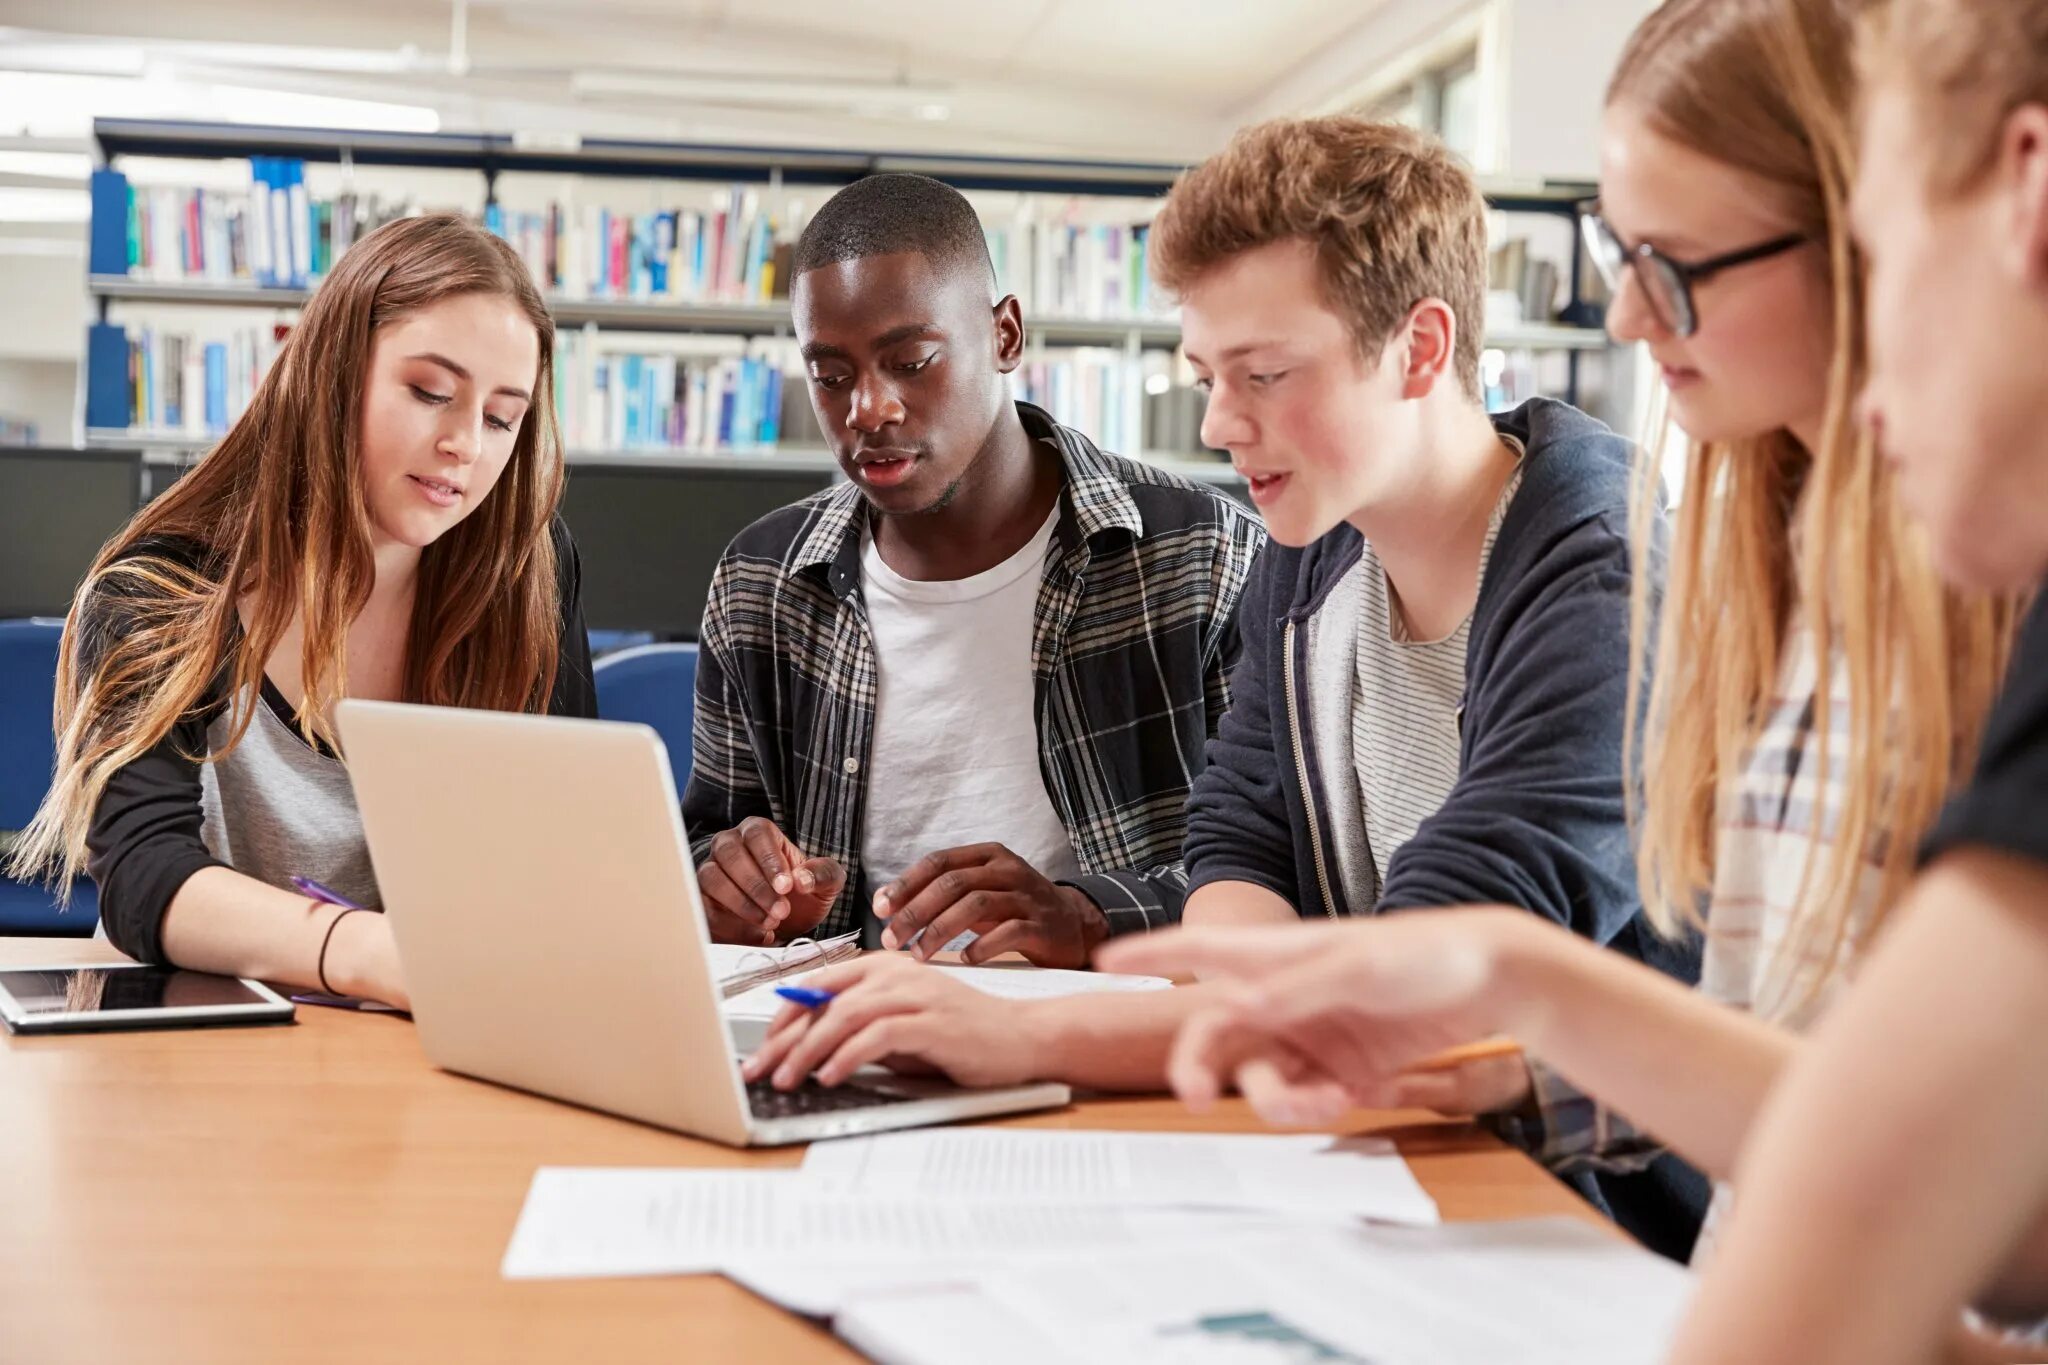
[1136, 634]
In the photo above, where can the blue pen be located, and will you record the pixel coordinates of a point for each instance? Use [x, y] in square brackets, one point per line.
[804, 995]
[308, 887]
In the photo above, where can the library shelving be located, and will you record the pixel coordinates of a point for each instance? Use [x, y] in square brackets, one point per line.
[209, 258]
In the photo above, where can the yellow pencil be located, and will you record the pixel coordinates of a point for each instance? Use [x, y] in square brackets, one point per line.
[1451, 1058]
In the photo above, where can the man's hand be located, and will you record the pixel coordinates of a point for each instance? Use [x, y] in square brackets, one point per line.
[1313, 1018]
[907, 1017]
[993, 892]
[758, 886]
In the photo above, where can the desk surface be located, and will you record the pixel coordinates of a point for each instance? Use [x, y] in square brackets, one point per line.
[319, 1191]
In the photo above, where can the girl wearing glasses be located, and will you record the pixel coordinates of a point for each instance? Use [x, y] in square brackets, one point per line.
[1814, 690]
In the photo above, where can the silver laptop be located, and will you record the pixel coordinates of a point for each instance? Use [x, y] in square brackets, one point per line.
[545, 907]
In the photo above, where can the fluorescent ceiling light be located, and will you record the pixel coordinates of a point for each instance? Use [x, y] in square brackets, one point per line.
[688, 87]
[245, 104]
[79, 56]
[44, 206]
[42, 104]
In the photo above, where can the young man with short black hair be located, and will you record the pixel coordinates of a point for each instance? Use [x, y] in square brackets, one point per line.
[970, 686]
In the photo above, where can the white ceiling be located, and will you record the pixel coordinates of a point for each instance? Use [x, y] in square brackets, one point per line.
[1135, 78]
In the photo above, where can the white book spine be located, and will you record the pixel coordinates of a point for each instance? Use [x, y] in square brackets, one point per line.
[302, 235]
[261, 256]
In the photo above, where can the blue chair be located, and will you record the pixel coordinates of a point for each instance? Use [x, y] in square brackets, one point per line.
[655, 685]
[28, 753]
[603, 642]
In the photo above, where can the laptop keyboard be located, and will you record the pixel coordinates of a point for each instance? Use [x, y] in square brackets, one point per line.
[767, 1102]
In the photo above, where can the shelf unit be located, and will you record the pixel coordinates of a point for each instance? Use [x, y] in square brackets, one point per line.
[491, 155]
[178, 448]
[639, 315]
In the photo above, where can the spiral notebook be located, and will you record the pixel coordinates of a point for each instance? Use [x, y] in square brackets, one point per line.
[740, 969]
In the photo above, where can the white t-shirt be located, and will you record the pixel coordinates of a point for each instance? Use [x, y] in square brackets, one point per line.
[955, 755]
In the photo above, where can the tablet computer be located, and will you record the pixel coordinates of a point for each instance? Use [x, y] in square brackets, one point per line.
[87, 997]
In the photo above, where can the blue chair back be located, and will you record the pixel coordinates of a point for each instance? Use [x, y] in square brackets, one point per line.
[28, 752]
[655, 685]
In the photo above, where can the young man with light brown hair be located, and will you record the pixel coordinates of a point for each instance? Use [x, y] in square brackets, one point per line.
[1430, 706]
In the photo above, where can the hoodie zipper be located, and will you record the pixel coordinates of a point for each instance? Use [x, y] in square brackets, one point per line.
[1308, 798]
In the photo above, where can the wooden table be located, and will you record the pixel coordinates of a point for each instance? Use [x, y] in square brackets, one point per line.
[319, 1191]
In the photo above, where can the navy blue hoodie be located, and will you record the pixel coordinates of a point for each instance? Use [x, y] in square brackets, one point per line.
[1537, 816]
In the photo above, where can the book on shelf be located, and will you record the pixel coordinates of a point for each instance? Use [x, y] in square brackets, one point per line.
[274, 234]
[732, 245]
[1102, 392]
[615, 394]
[610, 395]
[175, 381]
[1069, 269]
[734, 249]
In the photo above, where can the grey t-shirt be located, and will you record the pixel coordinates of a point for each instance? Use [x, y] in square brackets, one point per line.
[1408, 697]
[276, 808]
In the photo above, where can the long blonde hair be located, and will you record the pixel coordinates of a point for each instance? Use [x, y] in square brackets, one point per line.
[277, 511]
[1967, 65]
[1765, 526]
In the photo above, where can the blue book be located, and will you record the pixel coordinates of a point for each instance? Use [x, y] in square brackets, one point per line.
[771, 407]
[664, 246]
[639, 277]
[109, 397]
[109, 248]
[728, 402]
[216, 386]
[630, 387]
[743, 404]
[494, 219]
[299, 214]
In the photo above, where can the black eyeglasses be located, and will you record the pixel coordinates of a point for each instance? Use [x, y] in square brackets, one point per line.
[1666, 283]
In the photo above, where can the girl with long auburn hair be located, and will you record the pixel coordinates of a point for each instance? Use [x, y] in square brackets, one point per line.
[380, 523]
[1816, 692]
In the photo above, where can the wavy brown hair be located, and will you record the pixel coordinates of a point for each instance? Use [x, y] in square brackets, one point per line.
[278, 513]
[1393, 216]
[1765, 525]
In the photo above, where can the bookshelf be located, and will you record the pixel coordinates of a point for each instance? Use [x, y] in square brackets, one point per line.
[723, 319]
[1116, 366]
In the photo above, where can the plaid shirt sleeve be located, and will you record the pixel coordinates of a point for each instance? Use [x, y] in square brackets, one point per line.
[725, 784]
[1134, 902]
[1567, 1130]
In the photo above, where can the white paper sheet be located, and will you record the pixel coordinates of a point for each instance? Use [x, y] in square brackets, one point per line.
[581, 1222]
[1311, 1173]
[1536, 1293]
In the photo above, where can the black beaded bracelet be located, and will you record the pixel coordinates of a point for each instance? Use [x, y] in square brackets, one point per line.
[321, 966]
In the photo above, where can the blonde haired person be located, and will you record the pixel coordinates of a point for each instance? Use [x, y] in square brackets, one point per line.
[380, 523]
[1901, 1168]
[1816, 690]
